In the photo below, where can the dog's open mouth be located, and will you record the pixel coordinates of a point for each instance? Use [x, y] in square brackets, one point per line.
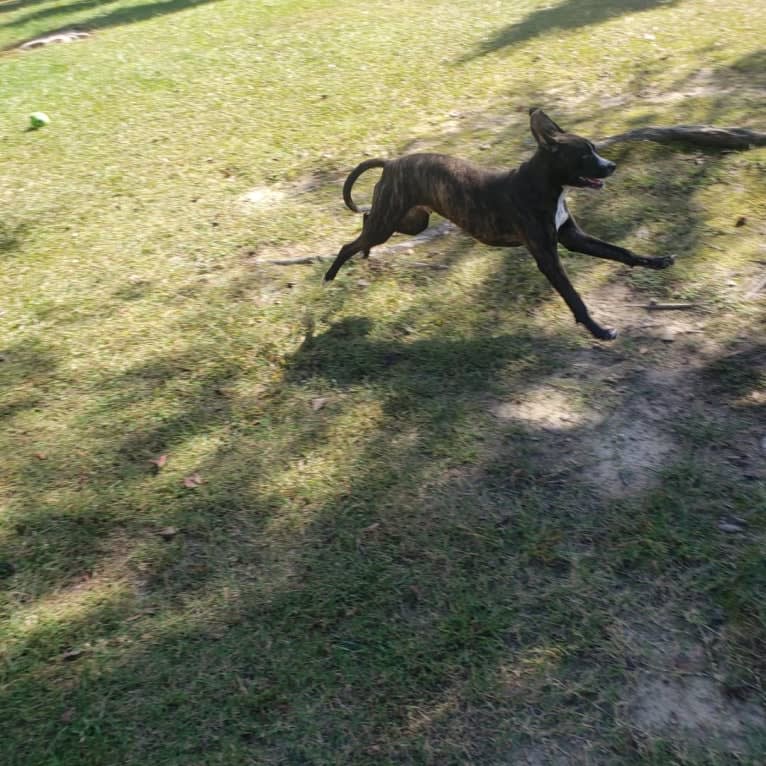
[593, 183]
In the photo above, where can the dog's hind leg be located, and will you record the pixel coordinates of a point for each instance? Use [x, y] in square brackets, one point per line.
[379, 224]
[413, 221]
[575, 239]
[369, 238]
[348, 250]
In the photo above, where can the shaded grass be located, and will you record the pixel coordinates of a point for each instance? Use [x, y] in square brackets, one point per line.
[563, 16]
[395, 574]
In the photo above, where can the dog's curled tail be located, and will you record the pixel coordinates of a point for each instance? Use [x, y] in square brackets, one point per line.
[351, 180]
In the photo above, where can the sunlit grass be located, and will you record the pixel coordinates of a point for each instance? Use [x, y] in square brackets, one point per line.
[374, 565]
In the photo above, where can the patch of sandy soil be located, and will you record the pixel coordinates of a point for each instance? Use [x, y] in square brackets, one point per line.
[692, 708]
[622, 441]
[617, 451]
[554, 754]
[262, 197]
[547, 407]
[628, 455]
[268, 196]
[675, 693]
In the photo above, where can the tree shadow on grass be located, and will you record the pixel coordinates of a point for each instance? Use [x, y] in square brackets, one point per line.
[32, 362]
[119, 16]
[370, 627]
[345, 590]
[435, 367]
[740, 375]
[14, 5]
[567, 15]
[10, 238]
[415, 585]
[449, 581]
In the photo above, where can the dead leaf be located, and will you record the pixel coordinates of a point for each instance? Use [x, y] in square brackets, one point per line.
[318, 403]
[72, 654]
[741, 221]
[40, 455]
[160, 461]
[732, 524]
[168, 533]
[192, 481]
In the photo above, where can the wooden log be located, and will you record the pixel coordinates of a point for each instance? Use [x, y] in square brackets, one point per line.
[698, 135]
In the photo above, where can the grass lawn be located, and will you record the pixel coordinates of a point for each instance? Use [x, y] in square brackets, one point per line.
[418, 516]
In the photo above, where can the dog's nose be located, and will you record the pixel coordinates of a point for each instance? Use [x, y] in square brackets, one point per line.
[610, 167]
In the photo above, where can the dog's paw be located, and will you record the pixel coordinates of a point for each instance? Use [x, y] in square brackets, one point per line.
[604, 333]
[663, 261]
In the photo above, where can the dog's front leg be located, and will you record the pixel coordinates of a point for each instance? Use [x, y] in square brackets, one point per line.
[575, 239]
[543, 248]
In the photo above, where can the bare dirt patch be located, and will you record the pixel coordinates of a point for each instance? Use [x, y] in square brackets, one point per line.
[559, 753]
[262, 197]
[546, 407]
[620, 442]
[628, 446]
[693, 709]
[628, 454]
[268, 196]
[675, 692]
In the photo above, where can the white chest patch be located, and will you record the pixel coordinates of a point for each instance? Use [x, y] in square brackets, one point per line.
[562, 214]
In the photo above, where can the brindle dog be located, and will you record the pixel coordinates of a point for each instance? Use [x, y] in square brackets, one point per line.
[524, 206]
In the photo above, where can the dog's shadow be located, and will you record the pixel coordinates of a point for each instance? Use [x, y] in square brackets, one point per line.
[348, 354]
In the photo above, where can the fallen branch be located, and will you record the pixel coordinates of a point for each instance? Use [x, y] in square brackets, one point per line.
[441, 230]
[656, 306]
[699, 135]
[295, 261]
[425, 265]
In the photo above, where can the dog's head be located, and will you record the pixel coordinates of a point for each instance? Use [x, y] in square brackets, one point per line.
[575, 158]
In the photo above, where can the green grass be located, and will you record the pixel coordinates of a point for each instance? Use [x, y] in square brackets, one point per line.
[437, 523]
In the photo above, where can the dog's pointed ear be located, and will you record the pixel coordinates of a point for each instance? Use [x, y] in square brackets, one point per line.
[544, 129]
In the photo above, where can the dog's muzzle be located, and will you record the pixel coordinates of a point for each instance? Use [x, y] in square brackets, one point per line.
[606, 168]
